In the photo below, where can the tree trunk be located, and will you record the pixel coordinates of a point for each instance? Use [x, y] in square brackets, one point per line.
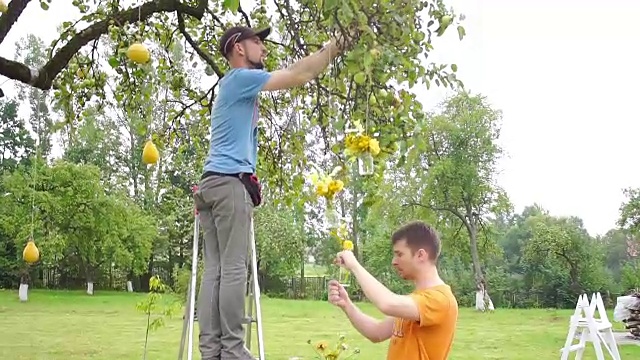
[130, 277]
[89, 275]
[575, 283]
[23, 291]
[146, 277]
[303, 279]
[573, 273]
[483, 300]
[111, 276]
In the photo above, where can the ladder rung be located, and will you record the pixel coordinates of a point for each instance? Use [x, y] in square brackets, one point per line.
[573, 348]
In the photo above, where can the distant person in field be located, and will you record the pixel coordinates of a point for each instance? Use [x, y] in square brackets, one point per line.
[229, 188]
[421, 325]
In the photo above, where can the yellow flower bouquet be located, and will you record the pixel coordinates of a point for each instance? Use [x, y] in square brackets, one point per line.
[327, 186]
[363, 147]
[357, 144]
[339, 351]
[342, 234]
[344, 274]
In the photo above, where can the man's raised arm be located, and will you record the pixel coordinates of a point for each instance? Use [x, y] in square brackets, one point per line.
[305, 69]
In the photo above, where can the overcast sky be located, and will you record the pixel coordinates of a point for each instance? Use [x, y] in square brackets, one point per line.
[562, 71]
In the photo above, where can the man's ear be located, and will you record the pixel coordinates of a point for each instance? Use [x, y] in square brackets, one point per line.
[239, 48]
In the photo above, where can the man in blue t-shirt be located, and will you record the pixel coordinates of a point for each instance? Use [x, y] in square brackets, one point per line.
[227, 195]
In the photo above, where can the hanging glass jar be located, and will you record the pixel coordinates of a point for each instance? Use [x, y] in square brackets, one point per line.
[332, 216]
[365, 164]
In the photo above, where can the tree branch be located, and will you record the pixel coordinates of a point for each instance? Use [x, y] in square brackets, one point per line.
[201, 53]
[436, 208]
[43, 78]
[244, 15]
[15, 9]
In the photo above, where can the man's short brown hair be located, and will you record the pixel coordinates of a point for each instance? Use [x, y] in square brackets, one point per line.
[419, 235]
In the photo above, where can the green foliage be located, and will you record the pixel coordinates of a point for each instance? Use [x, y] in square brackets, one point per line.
[16, 144]
[630, 275]
[164, 99]
[182, 278]
[278, 230]
[460, 149]
[102, 228]
[554, 257]
[630, 210]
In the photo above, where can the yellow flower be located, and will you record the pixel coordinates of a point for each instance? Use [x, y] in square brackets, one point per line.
[351, 144]
[347, 245]
[333, 355]
[374, 147]
[322, 345]
[325, 185]
[349, 140]
[363, 143]
[336, 186]
[322, 189]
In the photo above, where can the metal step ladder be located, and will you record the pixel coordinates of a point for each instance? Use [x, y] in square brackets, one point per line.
[252, 300]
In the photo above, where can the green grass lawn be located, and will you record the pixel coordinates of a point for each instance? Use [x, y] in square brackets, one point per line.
[74, 326]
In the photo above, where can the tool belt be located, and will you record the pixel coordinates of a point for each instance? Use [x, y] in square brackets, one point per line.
[250, 181]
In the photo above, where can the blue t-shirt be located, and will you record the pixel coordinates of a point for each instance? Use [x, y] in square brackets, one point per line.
[234, 122]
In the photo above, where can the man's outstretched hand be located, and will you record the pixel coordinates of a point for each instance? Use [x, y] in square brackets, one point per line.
[346, 41]
[346, 259]
[338, 295]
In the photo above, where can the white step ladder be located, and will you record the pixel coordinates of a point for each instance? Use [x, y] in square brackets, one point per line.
[253, 297]
[590, 329]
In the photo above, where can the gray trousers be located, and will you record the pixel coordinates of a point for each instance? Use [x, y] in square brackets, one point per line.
[225, 210]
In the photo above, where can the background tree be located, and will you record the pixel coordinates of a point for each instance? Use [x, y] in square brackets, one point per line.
[100, 232]
[458, 150]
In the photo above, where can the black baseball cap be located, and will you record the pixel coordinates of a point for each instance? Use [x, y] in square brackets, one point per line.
[238, 33]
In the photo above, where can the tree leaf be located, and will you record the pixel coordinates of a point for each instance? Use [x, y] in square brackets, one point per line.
[461, 32]
[114, 62]
[231, 5]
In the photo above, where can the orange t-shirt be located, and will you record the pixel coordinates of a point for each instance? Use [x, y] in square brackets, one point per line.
[432, 337]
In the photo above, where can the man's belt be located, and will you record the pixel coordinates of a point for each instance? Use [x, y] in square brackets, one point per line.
[250, 182]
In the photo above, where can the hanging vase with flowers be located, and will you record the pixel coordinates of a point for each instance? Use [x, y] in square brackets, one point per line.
[362, 147]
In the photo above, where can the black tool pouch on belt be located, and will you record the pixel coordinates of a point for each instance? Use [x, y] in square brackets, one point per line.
[253, 186]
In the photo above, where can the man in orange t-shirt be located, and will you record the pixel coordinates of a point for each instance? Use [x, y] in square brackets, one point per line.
[421, 325]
